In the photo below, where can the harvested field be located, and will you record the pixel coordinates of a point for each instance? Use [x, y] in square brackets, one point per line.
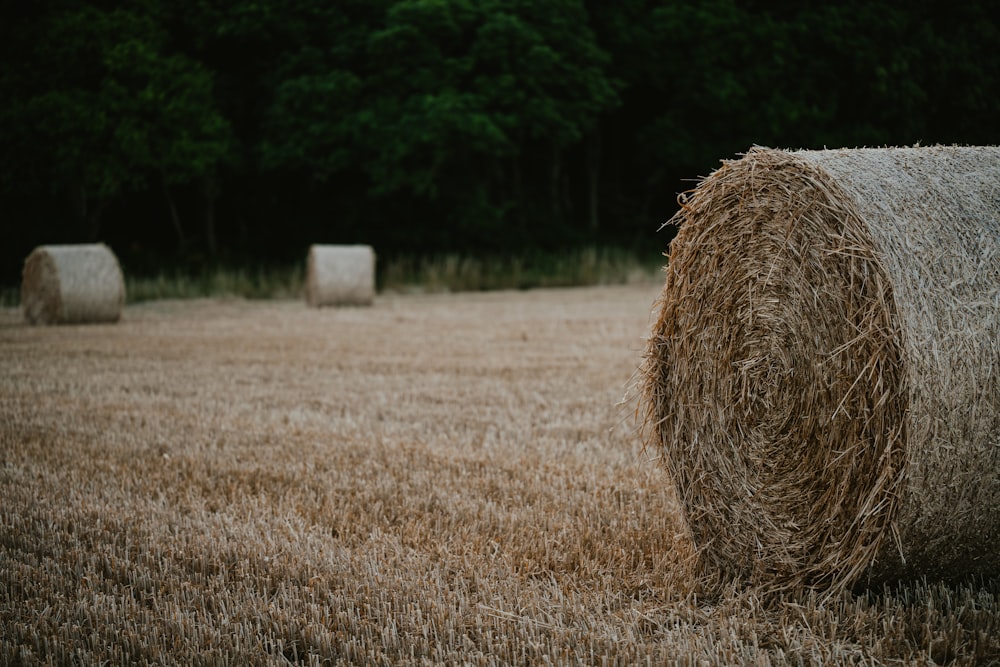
[438, 479]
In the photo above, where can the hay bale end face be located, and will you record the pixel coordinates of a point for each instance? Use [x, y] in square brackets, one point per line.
[822, 379]
[340, 275]
[72, 284]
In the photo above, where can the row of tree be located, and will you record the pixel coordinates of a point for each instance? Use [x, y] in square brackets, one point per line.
[247, 129]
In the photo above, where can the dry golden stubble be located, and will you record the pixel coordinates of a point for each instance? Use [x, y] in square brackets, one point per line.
[253, 481]
[244, 482]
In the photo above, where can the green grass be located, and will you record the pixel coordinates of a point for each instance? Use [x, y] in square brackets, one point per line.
[440, 273]
[259, 283]
[462, 273]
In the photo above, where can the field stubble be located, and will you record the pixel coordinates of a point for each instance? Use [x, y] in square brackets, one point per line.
[436, 479]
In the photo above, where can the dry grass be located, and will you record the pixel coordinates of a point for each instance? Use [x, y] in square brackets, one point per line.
[440, 479]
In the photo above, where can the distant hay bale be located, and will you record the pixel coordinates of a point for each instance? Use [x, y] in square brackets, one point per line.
[340, 275]
[67, 284]
[823, 379]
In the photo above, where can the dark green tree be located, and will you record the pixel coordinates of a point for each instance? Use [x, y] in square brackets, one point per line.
[419, 125]
[465, 97]
[99, 107]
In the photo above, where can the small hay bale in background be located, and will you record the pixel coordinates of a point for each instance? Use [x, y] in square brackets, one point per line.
[67, 284]
[340, 275]
[823, 380]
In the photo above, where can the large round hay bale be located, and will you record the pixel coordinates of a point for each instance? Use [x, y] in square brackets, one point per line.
[66, 284]
[823, 378]
[340, 275]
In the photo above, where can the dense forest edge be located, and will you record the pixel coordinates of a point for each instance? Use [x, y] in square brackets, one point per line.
[197, 134]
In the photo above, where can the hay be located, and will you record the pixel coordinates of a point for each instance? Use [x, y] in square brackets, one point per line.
[340, 275]
[823, 379]
[66, 284]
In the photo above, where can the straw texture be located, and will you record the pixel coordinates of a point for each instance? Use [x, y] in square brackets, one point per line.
[67, 284]
[340, 275]
[822, 378]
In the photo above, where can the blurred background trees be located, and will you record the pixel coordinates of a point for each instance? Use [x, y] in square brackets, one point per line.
[231, 130]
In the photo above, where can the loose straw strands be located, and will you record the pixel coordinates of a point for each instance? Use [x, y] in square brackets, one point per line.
[820, 379]
[340, 275]
[66, 284]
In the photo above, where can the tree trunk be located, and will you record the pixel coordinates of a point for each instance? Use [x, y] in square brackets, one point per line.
[517, 186]
[175, 219]
[89, 217]
[78, 195]
[518, 191]
[554, 177]
[211, 193]
[95, 220]
[594, 176]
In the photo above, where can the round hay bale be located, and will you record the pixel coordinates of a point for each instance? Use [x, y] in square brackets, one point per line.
[72, 284]
[823, 378]
[340, 275]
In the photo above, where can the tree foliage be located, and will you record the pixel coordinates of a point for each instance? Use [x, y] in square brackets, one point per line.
[99, 106]
[252, 128]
